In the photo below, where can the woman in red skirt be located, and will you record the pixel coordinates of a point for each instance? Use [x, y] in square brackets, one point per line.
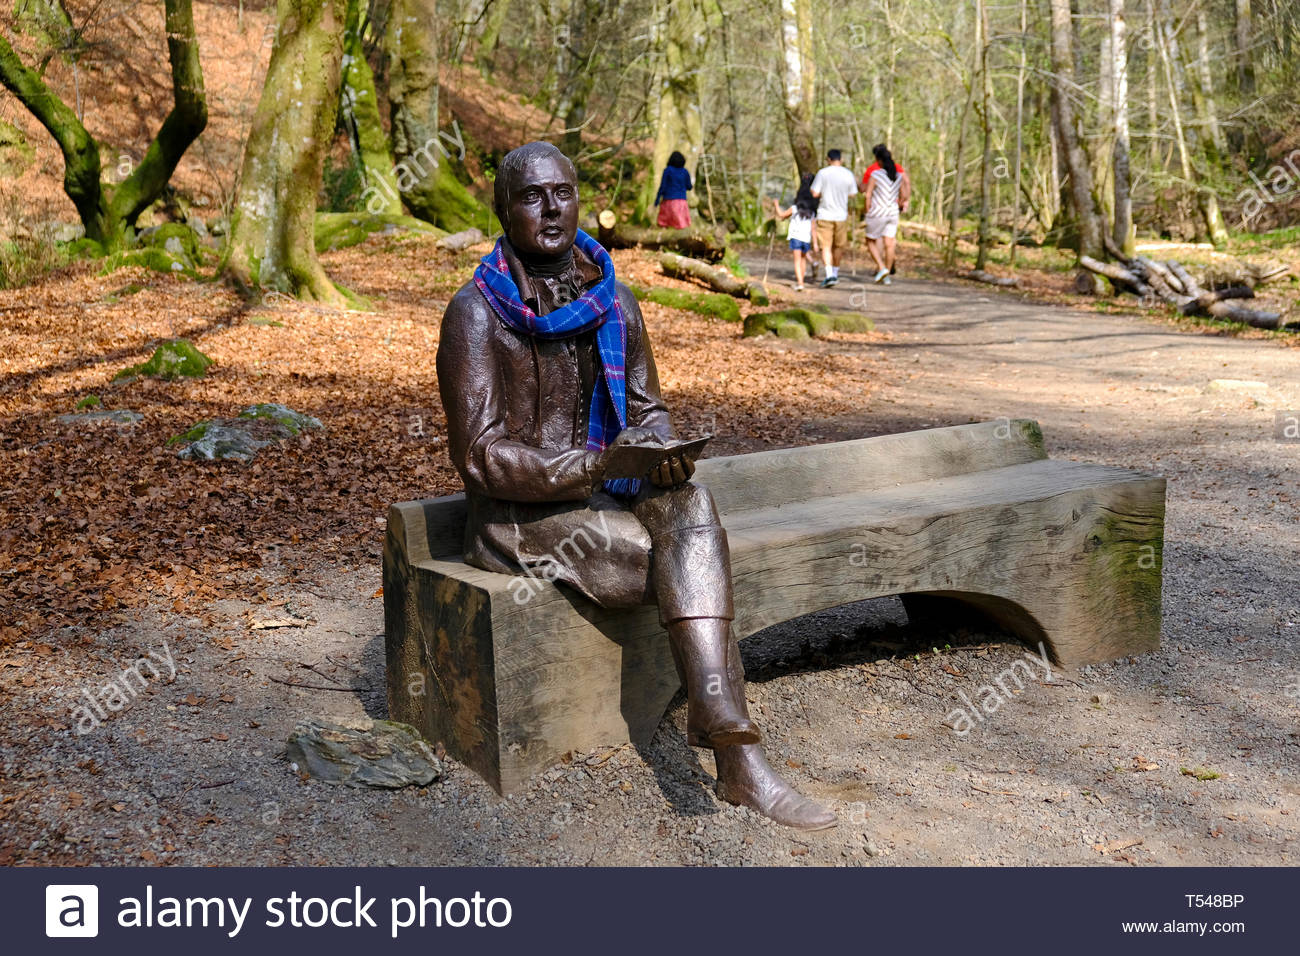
[674, 213]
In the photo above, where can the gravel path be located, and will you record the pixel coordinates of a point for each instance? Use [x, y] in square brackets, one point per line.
[1186, 756]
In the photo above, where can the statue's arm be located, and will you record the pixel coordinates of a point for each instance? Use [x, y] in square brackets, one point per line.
[475, 400]
[645, 406]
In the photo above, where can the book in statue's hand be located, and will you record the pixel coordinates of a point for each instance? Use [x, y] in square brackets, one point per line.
[637, 461]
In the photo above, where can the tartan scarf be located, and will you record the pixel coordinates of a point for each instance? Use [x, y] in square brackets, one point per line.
[597, 308]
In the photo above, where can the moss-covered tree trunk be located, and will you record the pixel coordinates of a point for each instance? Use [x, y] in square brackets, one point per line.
[493, 21]
[683, 46]
[424, 154]
[1209, 134]
[580, 77]
[273, 221]
[359, 110]
[109, 218]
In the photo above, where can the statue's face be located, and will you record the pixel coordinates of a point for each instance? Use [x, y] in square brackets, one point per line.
[543, 210]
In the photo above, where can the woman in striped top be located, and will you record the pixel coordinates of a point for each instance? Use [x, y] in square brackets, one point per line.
[887, 189]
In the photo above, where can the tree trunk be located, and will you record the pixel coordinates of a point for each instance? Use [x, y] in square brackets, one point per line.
[1122, 232]
[495, 19]
[1020, 123]
[1245, 37]
[109, 220]
[986, 160]
[950, 251]
[682, 43]
[359, 108]
[1076, 158]
[1210, 134]
[272, 242]
[579, 78]
[424, 153]
[798, 81]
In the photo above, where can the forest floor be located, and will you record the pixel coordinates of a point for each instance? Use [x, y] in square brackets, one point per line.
[262, 584]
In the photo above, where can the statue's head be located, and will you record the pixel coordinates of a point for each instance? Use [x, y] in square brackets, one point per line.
[536, 199]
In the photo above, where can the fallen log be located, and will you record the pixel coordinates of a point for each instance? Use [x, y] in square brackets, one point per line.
[1116, 274]
[1221, 275]
[717, 278]
[1190, 285]
[1205, 299]
[699, 241]
[926, 231]
[1173, 284]
[1231, 312]
[461, 240]
[979, 275]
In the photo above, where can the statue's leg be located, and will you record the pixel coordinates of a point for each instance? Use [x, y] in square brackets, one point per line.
[598, 547]
[691, 570]
[746, 778]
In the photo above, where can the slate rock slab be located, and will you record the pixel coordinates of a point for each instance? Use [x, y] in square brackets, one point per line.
[240, 439]
[379, 754]
[117, 416]
[219, 441]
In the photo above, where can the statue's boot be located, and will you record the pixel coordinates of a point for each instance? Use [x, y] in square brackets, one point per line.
[716, 715]
[746, 779]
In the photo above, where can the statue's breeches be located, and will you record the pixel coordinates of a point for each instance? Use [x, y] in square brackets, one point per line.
[665, 546]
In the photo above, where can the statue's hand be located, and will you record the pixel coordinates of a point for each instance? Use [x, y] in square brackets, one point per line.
[677, 470]
[636, 436]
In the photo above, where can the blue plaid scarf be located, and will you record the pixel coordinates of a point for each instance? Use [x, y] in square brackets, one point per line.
[597, 308]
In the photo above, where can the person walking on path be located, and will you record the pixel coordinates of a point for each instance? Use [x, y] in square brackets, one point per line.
[674, 213]
[887, 189]
[832, 186]
[803, 240]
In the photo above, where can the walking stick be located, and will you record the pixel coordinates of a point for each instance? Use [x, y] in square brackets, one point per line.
[770, 243]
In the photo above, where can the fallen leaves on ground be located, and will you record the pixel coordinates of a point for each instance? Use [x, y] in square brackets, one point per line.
[98, 521]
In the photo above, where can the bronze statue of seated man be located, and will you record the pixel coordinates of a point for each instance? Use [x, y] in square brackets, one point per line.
[545, 370]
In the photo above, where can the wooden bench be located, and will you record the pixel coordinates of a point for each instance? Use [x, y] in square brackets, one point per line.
[971, 524]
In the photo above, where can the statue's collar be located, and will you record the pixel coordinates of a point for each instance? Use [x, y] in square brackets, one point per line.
[584, 270]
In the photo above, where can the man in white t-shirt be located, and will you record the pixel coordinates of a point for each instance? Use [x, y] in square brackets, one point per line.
[833, 185]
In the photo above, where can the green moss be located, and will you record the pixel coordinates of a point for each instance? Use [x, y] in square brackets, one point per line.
[339, 230]
[713, 304]
[293, 422]
[732, 261]
[171, 360]
[159, 260]
[84, 248]
[194, 434]
[817, 320]
[90, 401]
[16, 154]
[792, 330]
[131, 288]
[265, 320]
[175, 238]
[1031, 433]
[1200, 773]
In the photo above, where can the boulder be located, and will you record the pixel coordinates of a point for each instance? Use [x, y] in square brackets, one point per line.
[241, 438]
[380, 754]
[171, 360]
